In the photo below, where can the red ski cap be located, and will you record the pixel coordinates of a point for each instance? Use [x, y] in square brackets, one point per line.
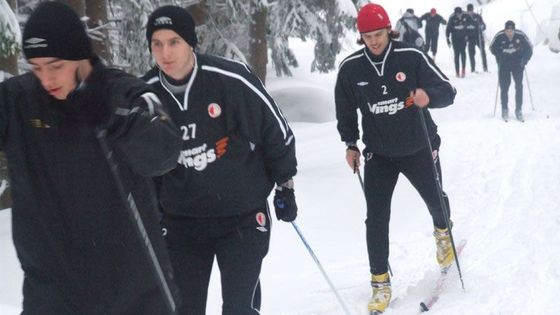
[372, 17]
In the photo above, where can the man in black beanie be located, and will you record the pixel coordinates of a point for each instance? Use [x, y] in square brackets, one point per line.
[475, 37]
[456, 34]
[236, 147]
[513, 50]
[65, 127]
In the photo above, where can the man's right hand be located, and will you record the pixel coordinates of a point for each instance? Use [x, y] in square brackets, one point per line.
[353, 157]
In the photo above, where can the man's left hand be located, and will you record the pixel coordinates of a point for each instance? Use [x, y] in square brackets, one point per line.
[285, 204]
[420, 98]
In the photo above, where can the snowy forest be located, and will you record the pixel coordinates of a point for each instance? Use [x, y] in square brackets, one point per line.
[502, 178]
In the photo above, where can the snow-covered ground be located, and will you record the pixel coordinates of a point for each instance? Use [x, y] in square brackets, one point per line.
[502, 179]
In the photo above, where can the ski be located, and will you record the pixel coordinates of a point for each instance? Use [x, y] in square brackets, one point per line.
[441, 283]
[393, 302]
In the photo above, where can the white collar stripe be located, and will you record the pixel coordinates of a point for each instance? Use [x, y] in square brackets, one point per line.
[189, 85]
[350, 58]
[268, 102]
[153, 80]
[168, 91]
[382, 72]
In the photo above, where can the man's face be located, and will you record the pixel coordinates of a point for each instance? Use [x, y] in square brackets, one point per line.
[509, 33]
[376, 41]
[57, 76]
[172, 53]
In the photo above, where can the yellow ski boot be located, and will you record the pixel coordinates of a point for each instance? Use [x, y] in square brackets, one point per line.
[381, 287]
[444, 252]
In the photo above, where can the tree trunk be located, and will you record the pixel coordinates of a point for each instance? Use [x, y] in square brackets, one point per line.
[199, 12]
[78, 5]
[96, 10]
[9, 63]
[258, 51]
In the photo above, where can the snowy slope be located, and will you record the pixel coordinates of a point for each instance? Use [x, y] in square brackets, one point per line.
[502, 179]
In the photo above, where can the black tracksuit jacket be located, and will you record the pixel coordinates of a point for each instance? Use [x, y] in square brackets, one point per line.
[457, 27]
[514, 53]
[71, 230]
[236, 142]
[432, 23]
[379, 88]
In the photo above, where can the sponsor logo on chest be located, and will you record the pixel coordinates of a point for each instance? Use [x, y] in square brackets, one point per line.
[200, 157]
[390, 107]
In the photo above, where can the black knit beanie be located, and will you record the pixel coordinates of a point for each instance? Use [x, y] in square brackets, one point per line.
[55, 30]
[173, 18]
[510, 25]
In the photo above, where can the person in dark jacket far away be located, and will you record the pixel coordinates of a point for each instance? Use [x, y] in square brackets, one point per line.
[408, 26]
[457, 30]
[389, 82]
[433, 21]
[72, 229]
[475, 37]
[513, 50]
[236, 146]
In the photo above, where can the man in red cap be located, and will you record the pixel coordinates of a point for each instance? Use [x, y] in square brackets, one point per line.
[384, 80]
[433, 21]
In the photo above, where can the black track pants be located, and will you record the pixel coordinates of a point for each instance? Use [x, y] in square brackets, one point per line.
[472, 43]
[432, 42]
[504, 75]
[460, 54]
[380, 178]
[239, 244]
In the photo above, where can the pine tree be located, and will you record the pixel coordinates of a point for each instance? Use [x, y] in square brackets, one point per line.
[227, 23]
[9, 39]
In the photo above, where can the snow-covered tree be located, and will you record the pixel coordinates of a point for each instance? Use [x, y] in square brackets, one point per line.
[227, 23]
[10, 35]
[131, 52]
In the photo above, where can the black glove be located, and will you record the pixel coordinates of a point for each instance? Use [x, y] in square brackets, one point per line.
[448, 42]
[285, 204]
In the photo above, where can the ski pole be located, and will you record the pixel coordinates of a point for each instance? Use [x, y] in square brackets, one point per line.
[134, 215]
[496, 98]
[357, 171]
[321, 268]
[529, 88]
[441, 198]
[497, 88]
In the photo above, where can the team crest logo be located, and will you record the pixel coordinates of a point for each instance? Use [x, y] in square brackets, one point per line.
[261, 220]
[400, 76]
[214, 110]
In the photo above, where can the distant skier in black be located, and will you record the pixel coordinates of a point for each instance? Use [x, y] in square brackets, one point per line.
[433, 21]
[475, 37]
[457, 29]
[513, 50]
